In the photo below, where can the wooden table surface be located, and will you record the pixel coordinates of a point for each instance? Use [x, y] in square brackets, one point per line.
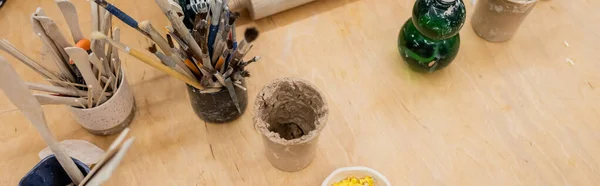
[513, 113]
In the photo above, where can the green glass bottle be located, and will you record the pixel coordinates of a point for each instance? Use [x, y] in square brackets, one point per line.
[429, 41]
[439, 19]
[424, 54]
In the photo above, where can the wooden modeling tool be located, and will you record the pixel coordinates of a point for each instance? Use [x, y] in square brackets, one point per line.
[81, 150]
[139, 55]
[66, 83]
[80, 57]
[110, 152]
[54, 33]
[15, 89]
[105, 26]
[95, 15]
[263, 8]
[56, 90]
[116, 61]
[108, 82]
[70, 13]
[45, 99]
[10, 49]
[109, 167]
[96, 62]
[232, 93]
[98, 50]
[106, 22]
[59, 61]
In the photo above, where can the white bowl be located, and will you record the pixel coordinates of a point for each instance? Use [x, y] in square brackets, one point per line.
[358, 172]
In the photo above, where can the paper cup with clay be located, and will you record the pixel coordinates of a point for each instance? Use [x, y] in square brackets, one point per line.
[290, 114]
[499, 20]
[111, 116]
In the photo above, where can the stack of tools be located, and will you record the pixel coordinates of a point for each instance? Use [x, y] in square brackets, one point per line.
[84, 73]
[207, 56]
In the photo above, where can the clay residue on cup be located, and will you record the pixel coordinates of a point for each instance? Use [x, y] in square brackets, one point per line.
[290, 111]
[499, 20]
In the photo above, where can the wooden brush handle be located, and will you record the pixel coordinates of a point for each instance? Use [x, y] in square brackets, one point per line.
[263, 8]
[165, 69]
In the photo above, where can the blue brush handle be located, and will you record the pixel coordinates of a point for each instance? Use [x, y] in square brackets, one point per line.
[211, 37]
[122, 16]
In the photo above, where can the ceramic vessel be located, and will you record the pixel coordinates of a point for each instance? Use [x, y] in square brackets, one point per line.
[110, 117]
[218, 107]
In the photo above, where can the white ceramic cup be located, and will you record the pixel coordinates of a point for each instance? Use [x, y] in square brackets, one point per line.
[358, 172]
[110, 117]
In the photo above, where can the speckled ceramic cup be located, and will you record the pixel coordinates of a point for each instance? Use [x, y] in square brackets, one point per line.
[110, 117]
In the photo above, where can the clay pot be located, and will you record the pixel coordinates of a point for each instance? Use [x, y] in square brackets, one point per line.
[499, 20]
[48, 172]
[290, 114]
[110, 117]
[217, 107]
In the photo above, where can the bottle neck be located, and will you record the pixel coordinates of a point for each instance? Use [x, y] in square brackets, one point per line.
[445, 3]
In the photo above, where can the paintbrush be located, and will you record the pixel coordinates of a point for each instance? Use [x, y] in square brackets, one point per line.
[249, 36]
[16, 91]
[156, 37]
[112, 149]
[139, 55]
[216, 8]
[254, 59]
[168, 61]
[121, 15]
[163, 45]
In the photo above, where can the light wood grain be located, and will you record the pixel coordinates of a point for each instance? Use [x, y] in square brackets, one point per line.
[512, 113]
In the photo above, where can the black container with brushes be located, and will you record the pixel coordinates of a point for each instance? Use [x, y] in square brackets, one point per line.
[218, 107]
[222, 106]
[208, 57]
